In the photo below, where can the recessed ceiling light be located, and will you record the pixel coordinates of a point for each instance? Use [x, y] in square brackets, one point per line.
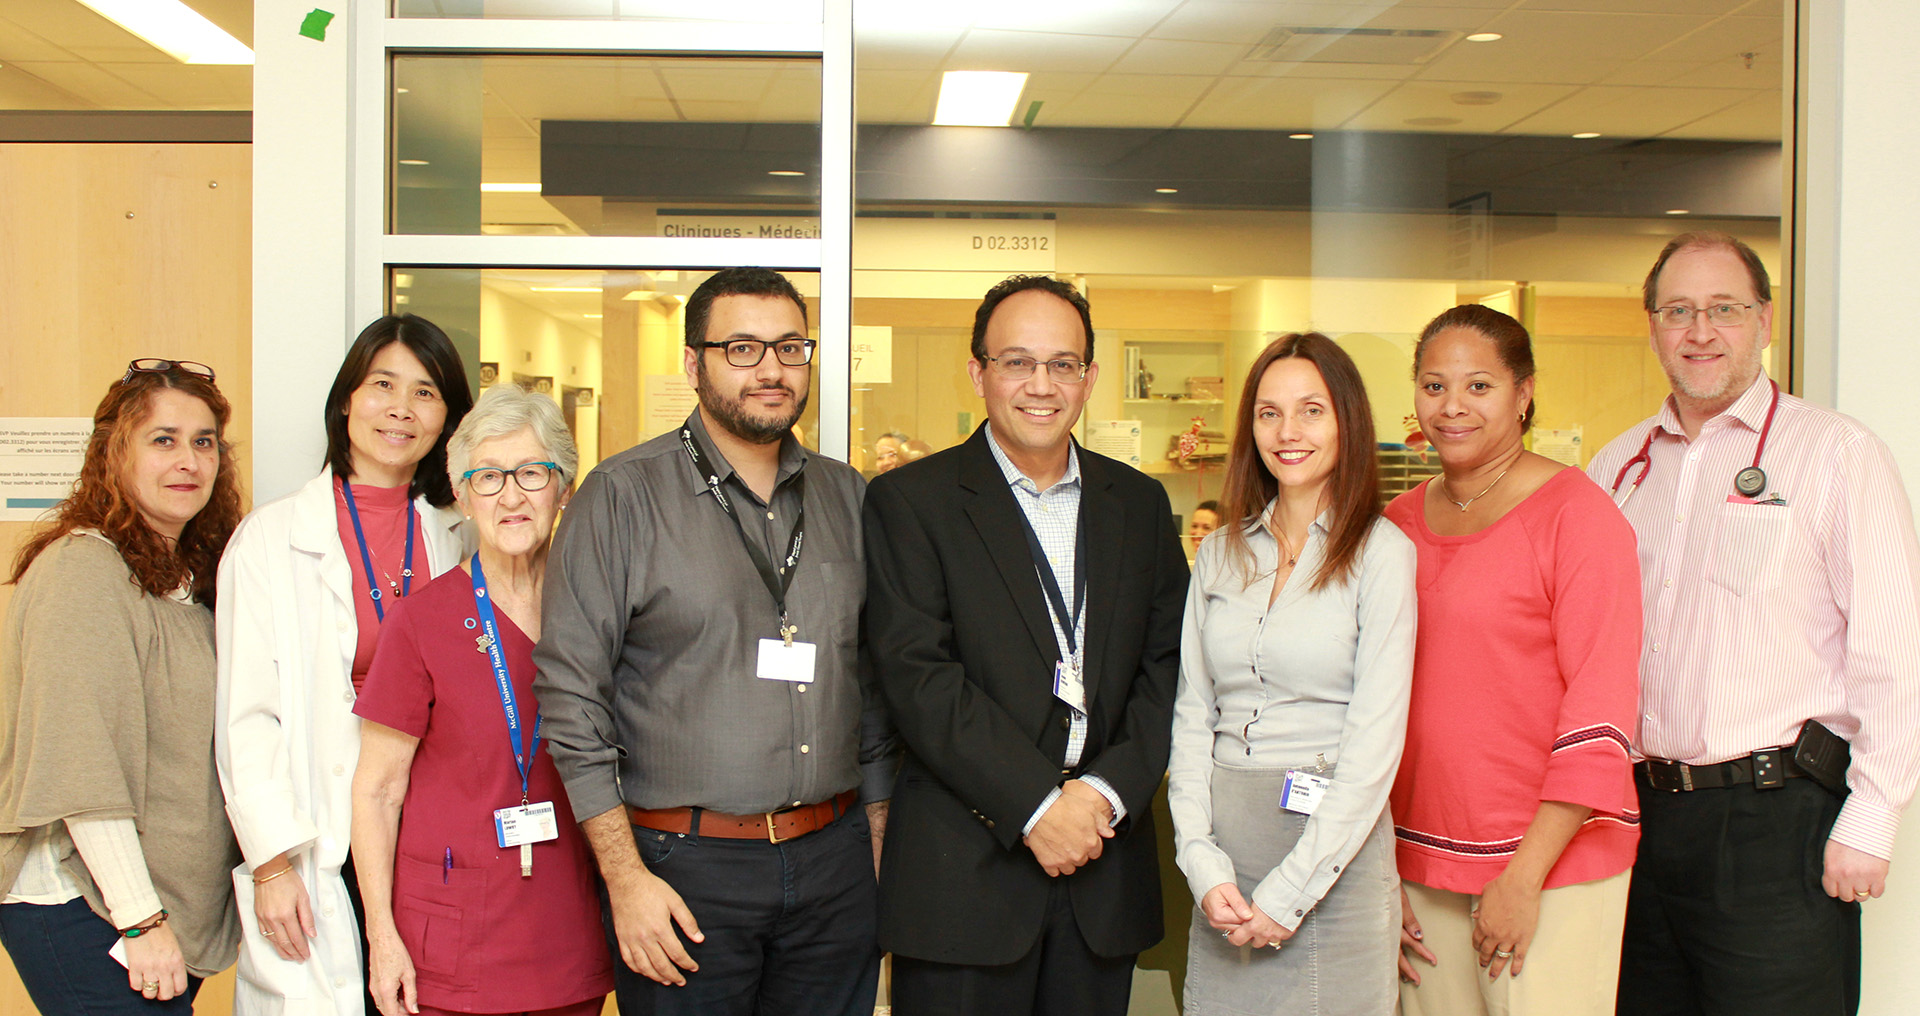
[1583, 135]
[175, 29]
[1485, 37]
[510, 188]
[593, 316]
[1677, 211]
[402, 280]
[402, 299]
[415, 162]
[401, 91]
[565, 289]
[1166, 190]
[785, 172]
[978, 98]
[1302, 136]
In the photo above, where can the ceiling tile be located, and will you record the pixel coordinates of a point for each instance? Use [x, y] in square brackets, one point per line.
[20, 90]
[1424, 100]
[1629, 112]
[1159, 56]
[1759, 118]
[1074, 17]
[19, 44]
[885, 96]
[1283, 104]
[179, 86]
[1130, 100]
[1248, 23]
[92, 84]
[984, 50]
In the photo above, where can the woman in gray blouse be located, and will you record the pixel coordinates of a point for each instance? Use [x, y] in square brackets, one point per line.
[1295, 666]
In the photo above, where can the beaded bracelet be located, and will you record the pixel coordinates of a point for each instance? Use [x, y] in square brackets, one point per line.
[140, 929]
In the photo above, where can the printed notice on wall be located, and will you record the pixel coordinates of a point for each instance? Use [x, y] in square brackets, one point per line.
[872, 354]
[1558, 445]
[1116, 439]
[40, 458]
[669, 401]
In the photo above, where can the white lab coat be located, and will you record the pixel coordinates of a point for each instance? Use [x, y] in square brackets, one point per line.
[286, 740]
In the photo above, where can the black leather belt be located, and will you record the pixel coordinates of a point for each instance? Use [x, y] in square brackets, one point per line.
[1765, 769]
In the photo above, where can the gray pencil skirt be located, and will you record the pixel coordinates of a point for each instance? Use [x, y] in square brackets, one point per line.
[1342, 960]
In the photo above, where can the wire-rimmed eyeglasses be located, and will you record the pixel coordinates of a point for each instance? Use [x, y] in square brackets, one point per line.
[1018, 368]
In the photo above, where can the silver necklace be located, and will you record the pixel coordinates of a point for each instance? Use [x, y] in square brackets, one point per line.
[1446, 490]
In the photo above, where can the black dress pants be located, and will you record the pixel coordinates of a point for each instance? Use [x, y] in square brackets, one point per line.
[1726, 916]
[1059, 976]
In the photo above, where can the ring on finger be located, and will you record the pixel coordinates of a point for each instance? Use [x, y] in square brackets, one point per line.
[267, 932]
[1862, 893]
[1505, 954]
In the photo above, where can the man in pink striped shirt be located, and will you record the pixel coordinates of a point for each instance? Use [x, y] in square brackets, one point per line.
[1781, 585]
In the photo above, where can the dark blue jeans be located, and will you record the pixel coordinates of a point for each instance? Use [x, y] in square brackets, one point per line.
[790, 928]
[61, 955]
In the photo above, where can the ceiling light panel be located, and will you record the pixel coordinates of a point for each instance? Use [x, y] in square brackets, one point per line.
[978, 98]
[175, 29]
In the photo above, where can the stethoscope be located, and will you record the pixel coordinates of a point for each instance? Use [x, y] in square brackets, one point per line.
[1748, 482]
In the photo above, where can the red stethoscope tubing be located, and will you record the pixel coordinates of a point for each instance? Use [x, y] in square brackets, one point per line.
[1645, 459]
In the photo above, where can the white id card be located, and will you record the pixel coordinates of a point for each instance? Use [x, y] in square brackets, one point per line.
[782, 662]
[1068, 686]
[525, 823]
[1302, 791]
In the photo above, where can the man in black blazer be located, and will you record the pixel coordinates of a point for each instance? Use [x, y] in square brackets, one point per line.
[1024, 604]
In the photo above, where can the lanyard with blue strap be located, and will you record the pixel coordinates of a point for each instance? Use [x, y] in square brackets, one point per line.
[366, 559]
[523, 754]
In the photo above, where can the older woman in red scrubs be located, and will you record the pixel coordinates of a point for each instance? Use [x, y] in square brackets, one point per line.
[479, 887]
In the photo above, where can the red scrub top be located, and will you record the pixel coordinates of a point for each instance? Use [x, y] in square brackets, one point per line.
[482, 939]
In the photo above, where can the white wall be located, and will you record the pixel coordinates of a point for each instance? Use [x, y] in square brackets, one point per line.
[1870, 77]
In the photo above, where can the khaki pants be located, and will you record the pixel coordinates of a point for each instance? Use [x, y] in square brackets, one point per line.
[1572, 968]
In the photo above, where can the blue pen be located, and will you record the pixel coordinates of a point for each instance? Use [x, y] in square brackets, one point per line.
[446, 867]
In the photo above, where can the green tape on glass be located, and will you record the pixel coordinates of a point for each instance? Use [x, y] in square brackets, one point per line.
[314, 25]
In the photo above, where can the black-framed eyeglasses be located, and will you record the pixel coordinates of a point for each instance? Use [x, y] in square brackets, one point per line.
[749, 352]
[490, 480]
[1019, 368]
[1722, 314]
[155, 365]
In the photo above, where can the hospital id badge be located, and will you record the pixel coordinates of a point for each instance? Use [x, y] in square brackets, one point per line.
[1068, 686]
[525, 824]
[1302, 792]
[785, 661]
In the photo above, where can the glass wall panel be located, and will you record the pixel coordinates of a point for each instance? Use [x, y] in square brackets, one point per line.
[605, 343]
[605, 146]
[1213, 175]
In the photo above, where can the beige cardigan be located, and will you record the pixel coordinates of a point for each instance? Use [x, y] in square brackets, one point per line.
[106, 711]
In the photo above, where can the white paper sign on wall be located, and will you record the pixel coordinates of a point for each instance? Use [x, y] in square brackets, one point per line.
[40, 457]
[872, 354]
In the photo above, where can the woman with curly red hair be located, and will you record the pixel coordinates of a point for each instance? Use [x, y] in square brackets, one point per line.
[113, 832]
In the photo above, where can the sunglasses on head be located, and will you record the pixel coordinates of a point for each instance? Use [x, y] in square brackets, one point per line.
[155, 365]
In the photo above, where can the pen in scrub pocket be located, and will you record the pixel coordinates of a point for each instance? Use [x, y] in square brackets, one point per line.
[446, 867]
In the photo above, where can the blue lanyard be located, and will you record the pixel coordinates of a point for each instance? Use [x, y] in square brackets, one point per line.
[522, 760]
[366, 559]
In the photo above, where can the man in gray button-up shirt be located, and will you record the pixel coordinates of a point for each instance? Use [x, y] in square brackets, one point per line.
[703, 691]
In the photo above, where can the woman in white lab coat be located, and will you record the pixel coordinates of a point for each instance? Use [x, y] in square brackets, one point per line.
[302, 589]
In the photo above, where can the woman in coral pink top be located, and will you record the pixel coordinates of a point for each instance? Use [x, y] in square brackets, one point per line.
[1514, 809]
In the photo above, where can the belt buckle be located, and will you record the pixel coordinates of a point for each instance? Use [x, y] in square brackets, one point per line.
[773, 837]
[1665, 774]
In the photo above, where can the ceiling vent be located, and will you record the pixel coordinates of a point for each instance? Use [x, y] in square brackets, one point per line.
[1302, 44]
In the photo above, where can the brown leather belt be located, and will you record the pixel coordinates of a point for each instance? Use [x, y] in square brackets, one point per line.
[772, 826]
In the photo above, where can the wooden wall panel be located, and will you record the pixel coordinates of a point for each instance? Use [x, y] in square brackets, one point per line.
[110, 252]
